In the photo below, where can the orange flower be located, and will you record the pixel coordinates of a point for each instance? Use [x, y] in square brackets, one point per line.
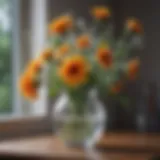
[101, 12]
[117, 87]
[28, 86]
[134, 25]
[74, 71]
[47, 54]
[61, 24]
[133, 68]
[62, 50]
[83, 41]
[35, 66]
[104, 56]
[28, 82]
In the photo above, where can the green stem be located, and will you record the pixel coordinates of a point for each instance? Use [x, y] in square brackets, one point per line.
[78, 104]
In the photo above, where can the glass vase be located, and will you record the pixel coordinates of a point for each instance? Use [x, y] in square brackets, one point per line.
[79, 122]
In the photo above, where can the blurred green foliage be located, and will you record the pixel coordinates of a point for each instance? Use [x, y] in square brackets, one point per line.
[5, 64]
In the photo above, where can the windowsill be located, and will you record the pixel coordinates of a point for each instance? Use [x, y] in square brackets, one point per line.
[23, 126]
[7, 118]
[29, 119]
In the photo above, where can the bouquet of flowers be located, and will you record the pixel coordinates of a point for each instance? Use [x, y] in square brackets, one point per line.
[81, 57]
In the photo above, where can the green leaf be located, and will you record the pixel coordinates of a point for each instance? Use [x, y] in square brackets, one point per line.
[55, 41]
[54, 82]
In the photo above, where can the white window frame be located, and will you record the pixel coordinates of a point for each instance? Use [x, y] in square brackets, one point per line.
[38, 42]
[17, 101]
[17, 123]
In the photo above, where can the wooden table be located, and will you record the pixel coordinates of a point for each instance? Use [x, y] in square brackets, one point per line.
[113, 146]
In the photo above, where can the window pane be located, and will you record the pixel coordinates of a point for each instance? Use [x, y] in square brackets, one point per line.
[5, 57]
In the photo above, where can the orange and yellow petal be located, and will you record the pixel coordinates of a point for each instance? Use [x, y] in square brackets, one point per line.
[133, 68]
[35, 66]
[61, 24]
[74, 71]
[101, 12]
[47, 54]
[28, 87]
[134, 25]
[83, 41]
[62, 50]
[104, 56]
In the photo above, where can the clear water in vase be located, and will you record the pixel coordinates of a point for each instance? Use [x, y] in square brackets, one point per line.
[82, 128]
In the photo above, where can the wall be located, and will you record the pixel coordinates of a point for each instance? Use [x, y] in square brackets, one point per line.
[148, 12]
[79, 8]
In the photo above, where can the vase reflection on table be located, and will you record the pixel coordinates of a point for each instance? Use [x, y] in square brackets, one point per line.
[79, 124]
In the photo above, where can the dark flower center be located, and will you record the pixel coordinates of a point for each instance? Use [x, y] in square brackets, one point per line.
[106, 57]
[74, 69]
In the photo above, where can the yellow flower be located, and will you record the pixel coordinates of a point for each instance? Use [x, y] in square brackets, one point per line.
[133, 68]
[28, 87]
[61, 24]
[117, 87]
[74, 71]
[62, 50]
[134, 25]
[101, 12]
[47, 54]
[104, 56]
[83, 41]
